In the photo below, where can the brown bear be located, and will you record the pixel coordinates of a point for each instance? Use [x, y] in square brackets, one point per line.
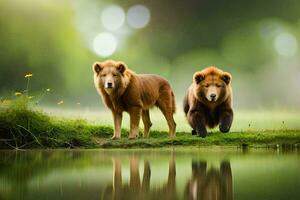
[208, 101]
[123, 90]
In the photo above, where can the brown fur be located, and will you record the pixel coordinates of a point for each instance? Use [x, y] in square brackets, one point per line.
[204, 111]
[134, 94]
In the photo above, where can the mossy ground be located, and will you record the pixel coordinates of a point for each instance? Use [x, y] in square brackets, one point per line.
[22, 126]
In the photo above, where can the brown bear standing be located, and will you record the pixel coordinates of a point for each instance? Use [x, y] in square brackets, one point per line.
[123, 90]
[208, 101]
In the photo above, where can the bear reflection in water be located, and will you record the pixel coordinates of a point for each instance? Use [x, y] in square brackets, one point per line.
[209, 184]
[203, 184]
[137, 189]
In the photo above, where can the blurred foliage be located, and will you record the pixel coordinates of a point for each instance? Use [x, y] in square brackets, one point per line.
[52, 40]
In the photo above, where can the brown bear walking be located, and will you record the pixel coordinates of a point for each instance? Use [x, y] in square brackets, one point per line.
[208, 101]
[123, 90]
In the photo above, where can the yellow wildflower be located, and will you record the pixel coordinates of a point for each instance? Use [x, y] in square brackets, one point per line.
[48, 90]
[6, 102]
[61, 102]
[78, 103]
[30, 97]
[28, 75]
[18, 93]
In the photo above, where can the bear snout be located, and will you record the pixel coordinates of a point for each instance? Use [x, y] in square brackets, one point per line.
[109, 85]
[212, 97]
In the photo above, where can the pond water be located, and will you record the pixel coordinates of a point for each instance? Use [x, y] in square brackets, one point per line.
[202, 173]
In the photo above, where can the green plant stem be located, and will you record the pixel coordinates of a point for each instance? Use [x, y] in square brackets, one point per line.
[27, 87]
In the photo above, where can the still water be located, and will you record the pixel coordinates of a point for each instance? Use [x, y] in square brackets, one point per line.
[210, 173]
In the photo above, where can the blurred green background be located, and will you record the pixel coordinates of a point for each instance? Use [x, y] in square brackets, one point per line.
[58, 41]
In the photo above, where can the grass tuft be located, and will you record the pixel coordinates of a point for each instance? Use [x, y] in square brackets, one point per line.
[22, 126]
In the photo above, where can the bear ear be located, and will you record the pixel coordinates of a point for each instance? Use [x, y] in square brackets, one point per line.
[226, 77]
[121, 67]
[97, 67]
[198, 77]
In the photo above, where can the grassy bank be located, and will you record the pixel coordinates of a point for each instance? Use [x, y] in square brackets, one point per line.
[22, 126]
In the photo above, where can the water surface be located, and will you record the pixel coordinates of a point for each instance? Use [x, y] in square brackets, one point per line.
[205, 173]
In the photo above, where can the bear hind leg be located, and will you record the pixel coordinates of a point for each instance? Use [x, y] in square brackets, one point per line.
[147, 122]
[165, 105]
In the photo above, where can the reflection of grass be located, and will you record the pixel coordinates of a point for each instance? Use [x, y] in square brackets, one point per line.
[22, 126]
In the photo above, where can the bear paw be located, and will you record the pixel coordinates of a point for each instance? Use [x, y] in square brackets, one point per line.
[132, 137]
[202, 133]
[114, 138]
[224, 128]
[194, 132]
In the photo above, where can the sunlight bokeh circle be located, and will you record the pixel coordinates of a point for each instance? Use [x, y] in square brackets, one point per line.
[138, 16]
[113, 17]
[286, 44]
[105, 44]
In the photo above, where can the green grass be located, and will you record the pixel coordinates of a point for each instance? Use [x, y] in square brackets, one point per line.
[24, 126]
[244, 120]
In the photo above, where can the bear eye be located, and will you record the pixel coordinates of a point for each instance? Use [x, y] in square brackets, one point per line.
[103, 75]
[115, 75]
[218, 85]
[206, 85]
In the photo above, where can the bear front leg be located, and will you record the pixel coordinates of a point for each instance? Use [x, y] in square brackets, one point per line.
[197, 121]
[226, 118]
[135, 116]
[117, 125]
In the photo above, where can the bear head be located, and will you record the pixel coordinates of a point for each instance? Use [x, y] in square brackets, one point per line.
[211, 85]
[110, 75]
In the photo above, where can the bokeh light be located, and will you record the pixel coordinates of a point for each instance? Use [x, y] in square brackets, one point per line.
[105, 44]
[286, 44]
[138, 16]
[151, 39]
[113, 17]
